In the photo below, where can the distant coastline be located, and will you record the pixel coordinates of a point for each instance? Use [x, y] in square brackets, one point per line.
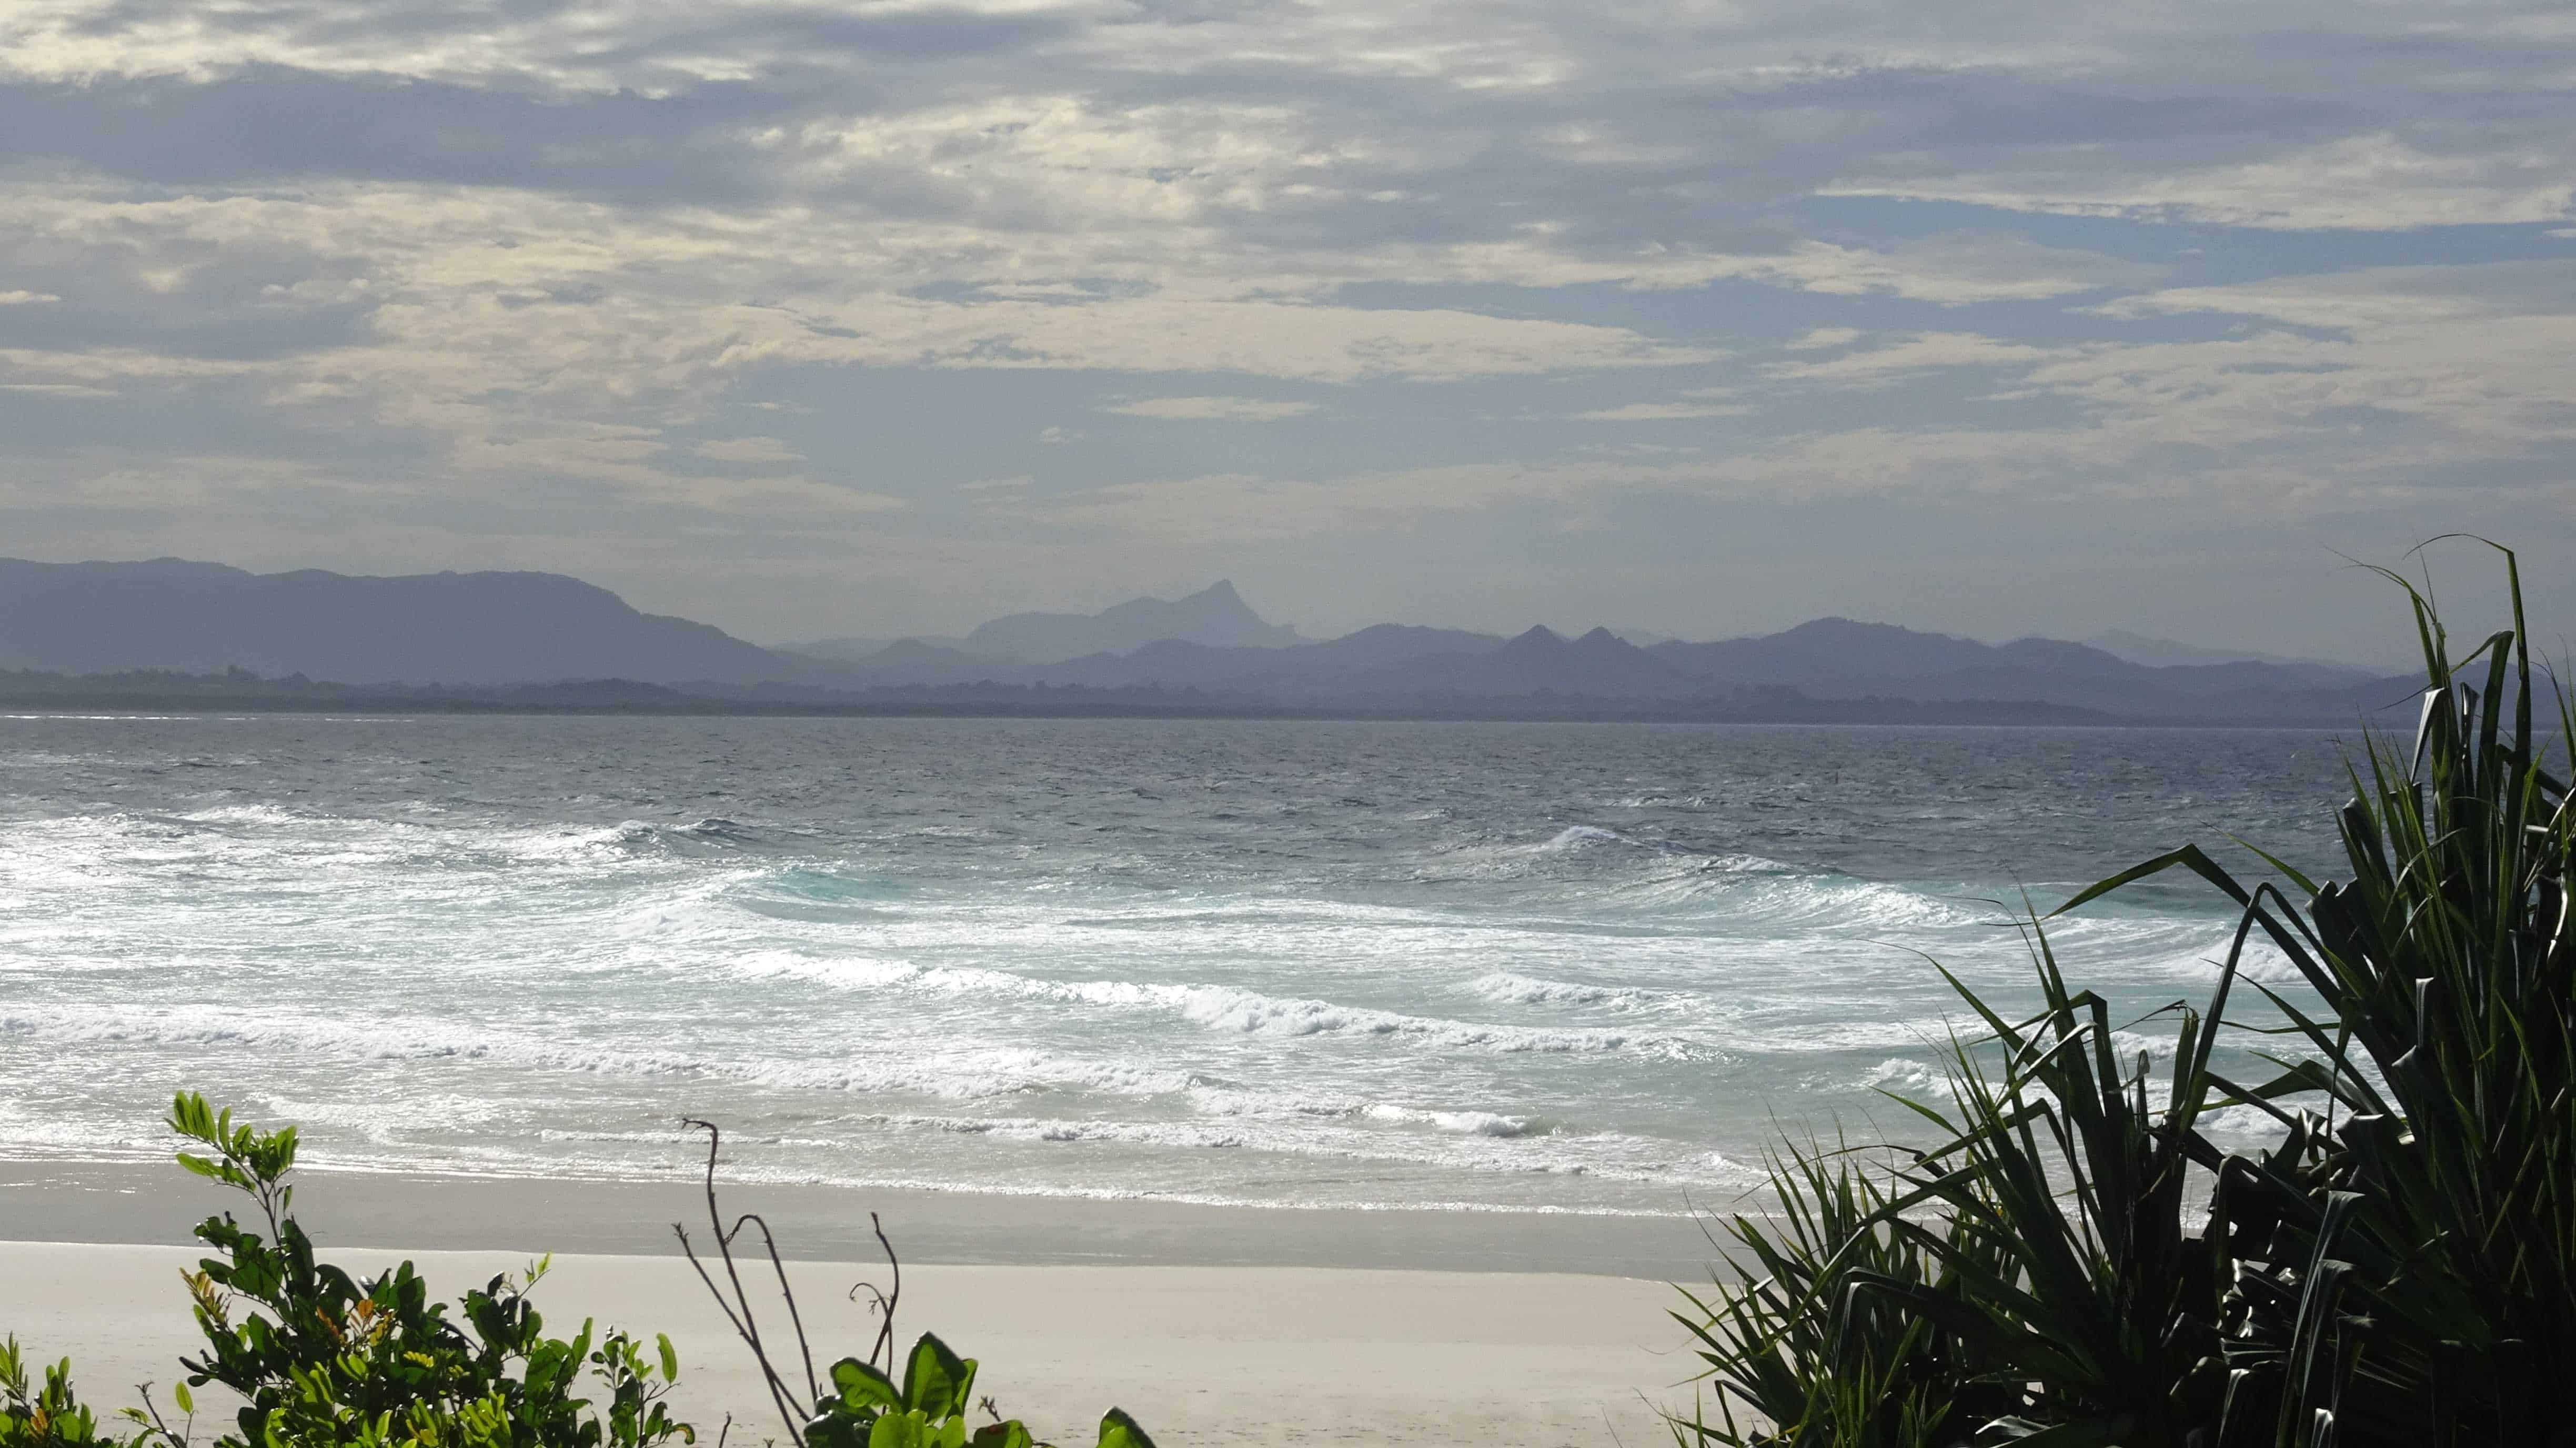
[238, 691]
[175, 634]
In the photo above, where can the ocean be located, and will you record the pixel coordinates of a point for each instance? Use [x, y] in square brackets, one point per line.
[1489, 967]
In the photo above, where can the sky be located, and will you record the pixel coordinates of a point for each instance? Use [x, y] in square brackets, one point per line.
[887, 316]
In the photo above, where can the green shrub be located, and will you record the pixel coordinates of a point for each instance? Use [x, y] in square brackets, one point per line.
[47, 1417]
[319, 1357]
[324, 1360]
[2398, 1269]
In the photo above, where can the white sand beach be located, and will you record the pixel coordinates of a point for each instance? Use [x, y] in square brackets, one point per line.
[1239, 1353]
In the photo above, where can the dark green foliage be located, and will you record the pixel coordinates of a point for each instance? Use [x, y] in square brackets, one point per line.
[320, 1357]
[1857, 1368]
[2399, 1269]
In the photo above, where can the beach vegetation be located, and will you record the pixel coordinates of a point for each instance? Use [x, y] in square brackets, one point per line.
[857, 1402]
[48, 1415]
[318, 1358]
[2071, 1253]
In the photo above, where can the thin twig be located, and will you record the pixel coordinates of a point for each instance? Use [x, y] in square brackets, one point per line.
[744, 1323]
[813, 1386]
[885, 1333]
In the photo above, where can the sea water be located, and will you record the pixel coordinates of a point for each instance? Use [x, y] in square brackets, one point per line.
[1525, 967]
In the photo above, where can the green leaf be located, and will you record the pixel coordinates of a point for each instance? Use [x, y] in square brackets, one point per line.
[861, 1386]
[670, 1358]
[1117, 1430]
[937, 1382]
[900, 1430]
[1010, 1434]
[179, 1392]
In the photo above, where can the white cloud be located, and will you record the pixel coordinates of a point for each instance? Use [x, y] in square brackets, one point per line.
[507, 271]
[1956, 269]
[1660, 412]
[2379, 181]
[1921, 352]
[1225, 409]
[748, 450]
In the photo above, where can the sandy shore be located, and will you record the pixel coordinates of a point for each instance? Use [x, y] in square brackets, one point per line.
[1212, 1325]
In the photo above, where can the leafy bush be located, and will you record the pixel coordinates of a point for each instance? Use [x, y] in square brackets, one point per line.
[2398, 1269]
[323, 1360]
[46, 1417]
[320, 1358]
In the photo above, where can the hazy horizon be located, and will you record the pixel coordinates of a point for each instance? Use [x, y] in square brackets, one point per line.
[2115, 639]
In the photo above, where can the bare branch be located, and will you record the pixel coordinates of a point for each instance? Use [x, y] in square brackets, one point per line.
[738, 1310]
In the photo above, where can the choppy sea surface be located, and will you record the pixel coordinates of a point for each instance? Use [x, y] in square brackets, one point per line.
[1483, 966]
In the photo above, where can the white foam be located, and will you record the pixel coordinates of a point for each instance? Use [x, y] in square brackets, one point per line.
[1217, 1007]
[1504, 987]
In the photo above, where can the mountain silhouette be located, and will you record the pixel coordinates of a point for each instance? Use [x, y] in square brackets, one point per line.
[457, 628]
[2140, 648]
[1215, 616]
[518, 631]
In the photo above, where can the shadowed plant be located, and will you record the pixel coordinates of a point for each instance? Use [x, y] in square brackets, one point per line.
[2399, 1267]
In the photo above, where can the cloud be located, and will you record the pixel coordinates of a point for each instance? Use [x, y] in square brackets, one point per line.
[1660, 412]
[1227, 409]
[1955, 269]
[482, 278]
[748, 450]
[2378, 181]
[1921, 352]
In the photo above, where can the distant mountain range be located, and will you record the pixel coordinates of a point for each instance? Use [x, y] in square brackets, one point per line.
[1215, 616]
[88, 618]
[551, 641]
[2140, 648]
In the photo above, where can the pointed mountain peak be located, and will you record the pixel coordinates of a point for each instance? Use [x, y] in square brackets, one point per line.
[1603, 638]
[1539, 635]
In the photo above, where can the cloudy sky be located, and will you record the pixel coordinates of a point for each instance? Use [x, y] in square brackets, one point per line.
[883, 316]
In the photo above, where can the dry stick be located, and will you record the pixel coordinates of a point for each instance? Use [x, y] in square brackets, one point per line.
[884, 1302]
[885, 1333]
[813, 1388]
[777, 1389]
[744, 1325]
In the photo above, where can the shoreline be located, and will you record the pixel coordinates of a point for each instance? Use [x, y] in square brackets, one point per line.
[148, 1204]
[1213, 1325]
[1260, 1356]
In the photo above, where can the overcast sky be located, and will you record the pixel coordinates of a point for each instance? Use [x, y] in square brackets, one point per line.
[877, 317]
